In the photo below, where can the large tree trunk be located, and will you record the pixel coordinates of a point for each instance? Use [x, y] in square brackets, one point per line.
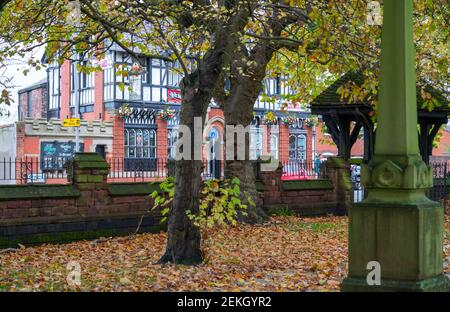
[183, 238]
[183, 242]
[238, 110]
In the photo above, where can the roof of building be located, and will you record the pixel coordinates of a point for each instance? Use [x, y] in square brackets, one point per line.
[330, 96]
[41, 83]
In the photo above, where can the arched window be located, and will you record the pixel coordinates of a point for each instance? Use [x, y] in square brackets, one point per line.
[146, 144]
[152, 145]
[256, 143]
[139, 143]
[297, 146]
[126, 144]
[172, 138]
[301, 146]
[132, 144]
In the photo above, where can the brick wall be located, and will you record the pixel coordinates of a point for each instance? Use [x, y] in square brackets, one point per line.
[307, 197]
[284, 143]
[118, 130]
[161, 139]
[20, 137]
[38, 98]
[65, 90]
[88, 208]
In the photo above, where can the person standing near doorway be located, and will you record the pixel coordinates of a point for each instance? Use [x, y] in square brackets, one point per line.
[317, 164]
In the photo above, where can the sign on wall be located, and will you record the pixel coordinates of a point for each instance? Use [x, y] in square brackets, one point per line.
[72, 122]
[174, 96]
[55, 154]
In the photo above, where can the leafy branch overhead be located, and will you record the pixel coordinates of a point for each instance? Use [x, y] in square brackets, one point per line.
[311, 42]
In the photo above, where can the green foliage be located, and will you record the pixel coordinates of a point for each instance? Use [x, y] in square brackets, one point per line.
[220, 204]
[164, 196]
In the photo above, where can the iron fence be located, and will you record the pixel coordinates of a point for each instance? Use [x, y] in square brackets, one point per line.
[149, 170]
[439, 192]
[303, 170]
[32, 170]
[54, 170]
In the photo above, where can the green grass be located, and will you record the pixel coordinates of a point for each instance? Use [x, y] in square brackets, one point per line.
[284, 212]
[315, 227]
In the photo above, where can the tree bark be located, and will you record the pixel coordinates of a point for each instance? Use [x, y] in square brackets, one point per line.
[238, 110]
[183, 237]
[183, 242]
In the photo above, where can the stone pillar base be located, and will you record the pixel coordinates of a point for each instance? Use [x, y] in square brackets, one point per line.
[436, 284]
[404, 238]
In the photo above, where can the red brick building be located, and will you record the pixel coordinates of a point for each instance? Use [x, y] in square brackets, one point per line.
[142, 135]
[33, 101]
[127, 123]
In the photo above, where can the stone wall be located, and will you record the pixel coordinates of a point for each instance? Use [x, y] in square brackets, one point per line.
[91, 207]
[88, 208]
[308, 197]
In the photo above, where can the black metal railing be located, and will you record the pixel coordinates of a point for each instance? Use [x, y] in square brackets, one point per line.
[303, 169]
[158, 169]
[142, 170]
[439, 192]
[55, 170]
[32, 170]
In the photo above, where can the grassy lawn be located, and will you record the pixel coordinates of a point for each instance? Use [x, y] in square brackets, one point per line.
[286, 254]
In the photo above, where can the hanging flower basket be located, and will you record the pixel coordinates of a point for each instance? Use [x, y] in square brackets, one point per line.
[270, 119]
[167, 114]
[311, 121]
[125, 111]
[290, 120]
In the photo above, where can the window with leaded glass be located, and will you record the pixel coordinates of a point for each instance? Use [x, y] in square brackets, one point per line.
[172, 138]
[297, 146]
[140, 143]
[256, 143]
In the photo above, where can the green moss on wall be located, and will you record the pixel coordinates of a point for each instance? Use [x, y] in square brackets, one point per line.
[65, 237]
[124, 189]
[299, 185]
[90, 161]
[11, 192]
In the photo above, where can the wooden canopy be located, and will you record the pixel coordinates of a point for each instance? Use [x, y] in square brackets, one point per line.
[339, 116]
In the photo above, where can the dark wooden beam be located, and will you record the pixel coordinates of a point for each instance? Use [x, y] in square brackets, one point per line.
[427, 134]
[369, 134]
[332, 127]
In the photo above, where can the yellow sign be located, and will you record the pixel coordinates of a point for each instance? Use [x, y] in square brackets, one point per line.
[72, 122]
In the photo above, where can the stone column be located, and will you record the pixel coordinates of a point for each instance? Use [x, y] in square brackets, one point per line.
[90, 172]
[338, 171]
[396, 225]
[272, 185]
